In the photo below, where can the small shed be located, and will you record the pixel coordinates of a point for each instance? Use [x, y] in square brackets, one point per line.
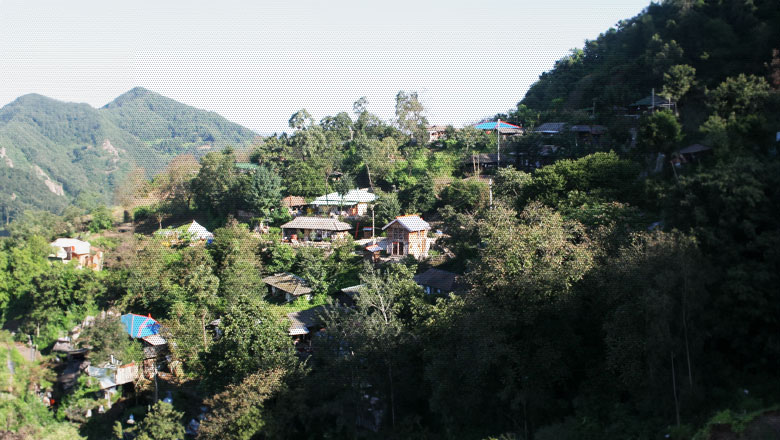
[306, 322]
[290, 285]
[437, 281]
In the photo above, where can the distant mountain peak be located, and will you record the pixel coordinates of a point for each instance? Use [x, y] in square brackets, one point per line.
[133, 94]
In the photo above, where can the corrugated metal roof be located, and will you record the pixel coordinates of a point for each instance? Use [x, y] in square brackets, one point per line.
[155, 340]
[411, 223]
[79, 247]
[491, 125]
[325, 224]
[550, 127]
[352, 197]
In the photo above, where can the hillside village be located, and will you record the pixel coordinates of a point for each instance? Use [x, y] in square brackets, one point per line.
[598, 262]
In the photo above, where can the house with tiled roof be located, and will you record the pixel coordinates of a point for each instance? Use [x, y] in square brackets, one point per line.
[291, 286]
[407, 235]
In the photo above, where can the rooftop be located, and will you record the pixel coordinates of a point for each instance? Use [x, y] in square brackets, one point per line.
[291, 201]
[550, 127]
[301, 322]
[289, 283]
[438, 279]
[352, 197]
[322, 223]
[411, 223]
[79, 247]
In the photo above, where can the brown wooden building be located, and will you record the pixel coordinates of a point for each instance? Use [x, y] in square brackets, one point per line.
[408, 235]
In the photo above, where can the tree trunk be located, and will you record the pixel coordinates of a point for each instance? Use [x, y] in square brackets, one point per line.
[203, 327]
[392, 393]
[674, 390]
[370, 182]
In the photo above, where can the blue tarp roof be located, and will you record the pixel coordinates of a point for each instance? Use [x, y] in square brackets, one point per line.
[139, 326]
[492, 125]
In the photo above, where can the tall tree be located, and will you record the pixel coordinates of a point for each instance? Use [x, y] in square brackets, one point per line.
[253, 339]
[216, 183]
[409, 116]
[161, 423]
[264, 192]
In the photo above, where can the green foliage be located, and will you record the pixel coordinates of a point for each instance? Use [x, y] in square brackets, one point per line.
[409, 115]
[386, 209]
[253, 339]
[465, 195]
[659, 132]
[107, 337]
[238, 412]
[678, 81]
[67, 141]
[741, 95]
[162, 423]
[217, 185]
[603, 175]
[302, 179]
[238, 266]
[264, 192]
[101, 219]
[418, 198]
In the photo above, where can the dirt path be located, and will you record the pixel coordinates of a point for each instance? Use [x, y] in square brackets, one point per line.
[27, 352]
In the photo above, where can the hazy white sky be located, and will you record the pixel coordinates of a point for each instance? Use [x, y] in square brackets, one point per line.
[256, 63]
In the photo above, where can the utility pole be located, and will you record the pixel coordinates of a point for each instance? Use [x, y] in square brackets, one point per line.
[490, 192]
[498, 144]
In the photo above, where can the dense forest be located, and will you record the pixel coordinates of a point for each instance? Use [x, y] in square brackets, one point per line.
[616, 285]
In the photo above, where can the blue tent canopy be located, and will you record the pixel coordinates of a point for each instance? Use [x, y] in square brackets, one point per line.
[492, 125]
[139, 326]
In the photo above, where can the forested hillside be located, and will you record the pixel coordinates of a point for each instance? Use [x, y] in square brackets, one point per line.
[609, 283]
[52, 152]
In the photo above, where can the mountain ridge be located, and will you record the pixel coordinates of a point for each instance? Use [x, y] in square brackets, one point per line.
[67, 142]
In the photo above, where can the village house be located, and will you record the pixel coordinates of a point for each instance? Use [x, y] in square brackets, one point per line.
[314, 229]
[295, 205]
[407, 235]
[155, 347]
[695, 152]
[304, 324]
[436, 132]
[582, 132]
[290, 285]
[437, 281]
[355, 203]
[71, 249]
[650, 103]
[550, 128]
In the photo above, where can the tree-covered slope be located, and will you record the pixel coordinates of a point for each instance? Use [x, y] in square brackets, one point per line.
[52, 151]
[169, 126]
[717, 38]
